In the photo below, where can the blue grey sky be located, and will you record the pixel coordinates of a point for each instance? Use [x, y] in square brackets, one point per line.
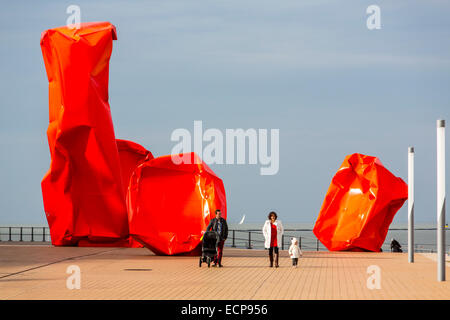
[310, 68]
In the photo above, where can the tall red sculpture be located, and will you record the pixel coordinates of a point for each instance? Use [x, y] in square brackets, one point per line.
[359, 206]
[170, 205]
[82, 191]
[94, 179]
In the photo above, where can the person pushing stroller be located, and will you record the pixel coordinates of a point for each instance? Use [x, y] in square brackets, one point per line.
[219, 225]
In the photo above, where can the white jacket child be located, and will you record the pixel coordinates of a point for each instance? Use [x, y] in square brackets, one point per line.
[295, 252]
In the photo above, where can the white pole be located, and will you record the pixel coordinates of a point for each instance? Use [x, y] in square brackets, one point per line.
[441, 200]
[411, 204]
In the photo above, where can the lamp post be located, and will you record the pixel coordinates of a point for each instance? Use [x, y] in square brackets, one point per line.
[411, 204]
[441, 200]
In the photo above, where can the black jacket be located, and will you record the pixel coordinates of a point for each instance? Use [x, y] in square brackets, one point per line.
[213, 226]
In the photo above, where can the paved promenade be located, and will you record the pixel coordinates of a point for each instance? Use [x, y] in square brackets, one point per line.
[39, 272]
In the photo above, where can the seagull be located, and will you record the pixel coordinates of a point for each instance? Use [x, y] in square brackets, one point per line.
[242, 220]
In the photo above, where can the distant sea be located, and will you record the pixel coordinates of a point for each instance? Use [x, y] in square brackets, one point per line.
[424, 235]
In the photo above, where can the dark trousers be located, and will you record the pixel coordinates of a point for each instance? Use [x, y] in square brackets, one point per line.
[273, 249]
[219, 252]
[271, 258]
[294, 261]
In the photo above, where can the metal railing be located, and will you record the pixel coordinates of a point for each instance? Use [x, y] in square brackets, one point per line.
[248, 239]
[22, 234]
[251, 239]
[254, 239]
[240, 238]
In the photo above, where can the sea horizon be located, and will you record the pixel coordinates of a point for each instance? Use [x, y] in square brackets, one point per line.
[257, 225]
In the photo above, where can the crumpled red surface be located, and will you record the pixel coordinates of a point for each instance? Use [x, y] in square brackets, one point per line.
[131, 156]
[94, 179]
[82, 191]
[359, 206]
[170, 205]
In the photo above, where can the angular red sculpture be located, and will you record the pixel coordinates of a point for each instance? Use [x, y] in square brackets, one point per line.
[360, 205]
[170, 205]
[95, 179]
[82, 191]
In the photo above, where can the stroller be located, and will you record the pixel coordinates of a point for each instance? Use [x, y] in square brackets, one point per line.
[209, 247]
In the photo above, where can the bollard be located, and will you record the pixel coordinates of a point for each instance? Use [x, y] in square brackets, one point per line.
[32, 234]
[300, 242]
[317, 241]
[10, 234]
[21, 239]
[282, 242]
[43, 234]
[249, 240]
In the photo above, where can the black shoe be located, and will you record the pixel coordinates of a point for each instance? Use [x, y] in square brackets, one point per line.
[220, 265]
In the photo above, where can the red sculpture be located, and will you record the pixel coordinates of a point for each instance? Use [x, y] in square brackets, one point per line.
[359, 206]
[82, 191]
[170, 205]
[94, 179]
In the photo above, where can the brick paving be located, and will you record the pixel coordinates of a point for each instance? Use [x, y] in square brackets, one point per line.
[39, 272]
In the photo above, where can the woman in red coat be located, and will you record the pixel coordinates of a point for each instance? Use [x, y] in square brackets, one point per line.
[273, 231]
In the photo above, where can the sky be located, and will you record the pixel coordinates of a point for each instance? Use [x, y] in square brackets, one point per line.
[310, 68]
